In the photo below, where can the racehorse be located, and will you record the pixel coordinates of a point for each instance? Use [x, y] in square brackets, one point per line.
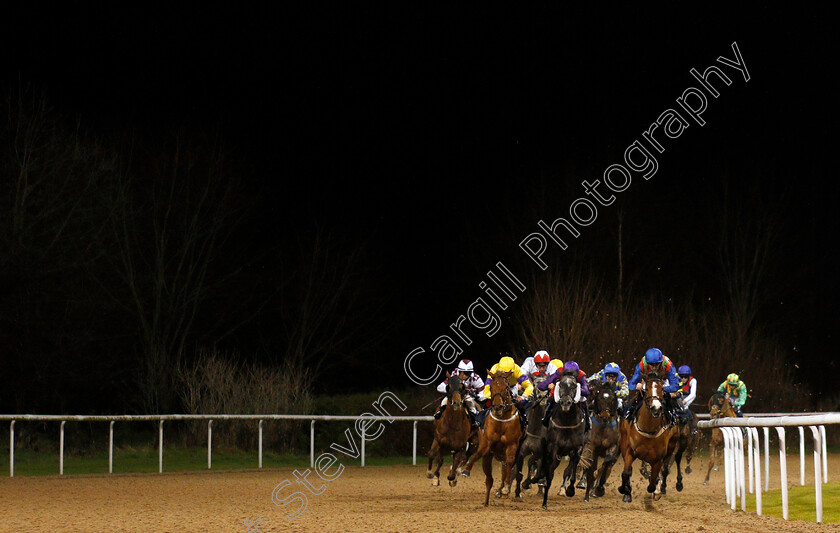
[602, 440]
[452, 433]
[500, 436]
[650, 438]
[564, 436]
[686, 444]
[533, 440]
[719, 407]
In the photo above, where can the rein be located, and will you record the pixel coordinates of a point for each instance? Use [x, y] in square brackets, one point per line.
[558, 426]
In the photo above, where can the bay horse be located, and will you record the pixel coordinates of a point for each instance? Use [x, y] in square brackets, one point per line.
[686, 444]
[564, 436]
[500, 436]
[650, 438]
[602, 440]
[719, 407]
[533, 440]
[452, 432]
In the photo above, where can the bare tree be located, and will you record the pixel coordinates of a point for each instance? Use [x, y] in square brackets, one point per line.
[170, 220]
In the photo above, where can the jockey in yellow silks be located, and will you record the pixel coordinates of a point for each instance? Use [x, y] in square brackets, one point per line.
[516, 379]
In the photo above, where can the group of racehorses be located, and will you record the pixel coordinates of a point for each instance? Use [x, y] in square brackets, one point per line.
[649, 437]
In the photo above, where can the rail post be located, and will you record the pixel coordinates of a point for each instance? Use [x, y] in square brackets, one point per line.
[818, 471]
[209, 444]
[260, 444]
[783, 470]
[111, 447]
[160, 447]
[12, 449]
[61, 449]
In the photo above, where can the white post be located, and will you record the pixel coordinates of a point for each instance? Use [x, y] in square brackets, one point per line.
[824, 455]
[818, 471]
[783, 470]
[312, 445]
[742, 483]
[801, 455]
[61, 450]
[414, 445]
[750, 459]
[766, 459]
[160, 447]
[209, 444]
[260, 442]
[757, 452]
[363, 444]
[727, 467]
[111, 448]
[12, 449]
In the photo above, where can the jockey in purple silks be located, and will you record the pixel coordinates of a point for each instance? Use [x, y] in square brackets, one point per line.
[571, 368]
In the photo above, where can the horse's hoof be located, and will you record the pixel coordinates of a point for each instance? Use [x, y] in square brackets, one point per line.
[627, 498]
[651, 489]
[505, 492]
[622, 490]
[715, 469]
[498, 494]
[586, 498]
[705, 483]
[541, 482]
[570, 491]
[656, 497]
[598, 492]
[436, 482]
[581, 484]
[526, 485]
[465, 473]
[679, 486]
[430, 474]
[687, 469]
[545, 507]
[453, 482]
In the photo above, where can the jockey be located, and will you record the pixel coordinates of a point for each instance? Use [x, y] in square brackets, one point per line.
[516, 380]
[613, 376]
[736, 392]
[472, 383]
[688, 386]
[653, 363]
[571, 368]
[558, 364]
[539, 365]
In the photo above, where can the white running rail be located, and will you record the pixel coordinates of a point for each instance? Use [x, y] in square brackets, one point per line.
[210, 418]
[735, 479]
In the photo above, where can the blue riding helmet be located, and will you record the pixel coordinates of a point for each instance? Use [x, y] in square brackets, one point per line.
[653, 356]
[611, 368]
[684, 370]
[571, 368]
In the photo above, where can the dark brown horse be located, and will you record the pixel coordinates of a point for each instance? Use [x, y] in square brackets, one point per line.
[500, 437]
[650, 438]
[452, 433]
[533, 440]
[719, 407]
[564, 436]
[686, 444]
[602, 440]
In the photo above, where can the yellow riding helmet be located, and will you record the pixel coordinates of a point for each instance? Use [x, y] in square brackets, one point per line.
[558, 364]
[506, 364]
[732, 379]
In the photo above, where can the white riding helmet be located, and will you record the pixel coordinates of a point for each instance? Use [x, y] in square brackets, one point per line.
[465, 366]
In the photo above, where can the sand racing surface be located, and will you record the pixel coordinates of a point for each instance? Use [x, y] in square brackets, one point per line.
[387, 498]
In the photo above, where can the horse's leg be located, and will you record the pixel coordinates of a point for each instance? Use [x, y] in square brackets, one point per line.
[655, 470]
[571, 471]
[487, 466]
[472, 445]
[626, 489]
[519, 463]
[510, 460]
[711, 461]
[434, 452]
[483, 448]
[677, 459]
[689, 453]
[549, 463]
[590, 476]
[457, 457]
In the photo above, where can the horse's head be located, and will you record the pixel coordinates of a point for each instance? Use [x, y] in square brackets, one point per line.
[605, 402]
[654, 396]
[500, 390]
[718, 405]
[540, 397]
[455, 391]
[567, 392]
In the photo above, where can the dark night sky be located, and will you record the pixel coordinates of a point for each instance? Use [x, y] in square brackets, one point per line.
[427, 131]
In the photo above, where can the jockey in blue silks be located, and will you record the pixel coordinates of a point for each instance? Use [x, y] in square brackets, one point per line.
[654, 363]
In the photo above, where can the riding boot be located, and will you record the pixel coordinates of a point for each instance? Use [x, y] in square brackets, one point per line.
[472, 417]
[522, 420]
[586, 421]
[548, 409]
[440, 412]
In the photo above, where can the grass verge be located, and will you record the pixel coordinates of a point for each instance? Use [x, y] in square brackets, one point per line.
[801, 503]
